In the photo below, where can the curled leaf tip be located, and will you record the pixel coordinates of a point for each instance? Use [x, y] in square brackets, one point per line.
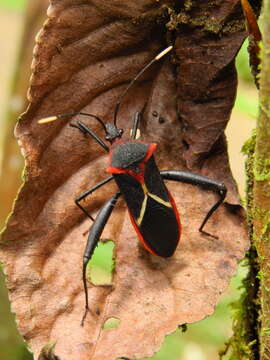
[252, 24]
[254, 38]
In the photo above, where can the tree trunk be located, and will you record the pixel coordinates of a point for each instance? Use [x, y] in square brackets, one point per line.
[251, 340]
[261, 203]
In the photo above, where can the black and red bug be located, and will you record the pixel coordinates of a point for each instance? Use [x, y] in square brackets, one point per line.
[151, 207]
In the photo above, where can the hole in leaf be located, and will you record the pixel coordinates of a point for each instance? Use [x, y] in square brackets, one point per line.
[111, 323]
[186, 145]
[100, 267]
[161, 120]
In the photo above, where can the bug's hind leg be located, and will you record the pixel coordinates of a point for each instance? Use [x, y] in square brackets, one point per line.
[93, 238]
[203, 182]
[88, 192]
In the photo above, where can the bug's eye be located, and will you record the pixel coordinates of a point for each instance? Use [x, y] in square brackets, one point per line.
[107, 138]
[121, 131]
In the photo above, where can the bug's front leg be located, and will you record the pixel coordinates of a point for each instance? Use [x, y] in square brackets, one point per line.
[202, 181]
[88, 192]
[85, 130]
[93, 238]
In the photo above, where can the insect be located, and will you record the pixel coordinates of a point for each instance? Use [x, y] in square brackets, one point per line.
[132, 166]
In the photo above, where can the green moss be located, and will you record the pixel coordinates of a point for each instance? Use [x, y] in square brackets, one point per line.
[248, 149]
[266, 228]
[267, 289]
[262, 168]
[265, 331]
[172, 24]
[244, 344]
[263, 216]
[261, 213]
[264, 109]
[233, 26]
[188, 5]
[206, 22]
[249, 145]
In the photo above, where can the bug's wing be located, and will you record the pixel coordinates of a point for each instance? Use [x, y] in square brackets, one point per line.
[159, 227]
[152, 210]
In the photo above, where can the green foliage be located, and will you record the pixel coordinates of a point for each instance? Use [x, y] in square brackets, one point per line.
[242, 64]
[101, 266]
[249, 145]
[13, 4]
[247, 97]
[111, 323]
[247, 104]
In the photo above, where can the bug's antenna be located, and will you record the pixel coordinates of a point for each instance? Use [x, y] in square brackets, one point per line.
[56, 117]
[159, 56]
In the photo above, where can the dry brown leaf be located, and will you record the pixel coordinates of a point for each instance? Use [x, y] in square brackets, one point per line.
[85, 55]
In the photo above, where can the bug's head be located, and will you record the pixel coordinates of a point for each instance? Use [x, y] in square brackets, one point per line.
[112, 132]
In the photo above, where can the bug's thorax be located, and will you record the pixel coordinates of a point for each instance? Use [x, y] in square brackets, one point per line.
[130, 157]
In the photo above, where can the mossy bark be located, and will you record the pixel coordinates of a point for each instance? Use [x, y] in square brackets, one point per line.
[251, 340]
[244, 344]
[261, 203]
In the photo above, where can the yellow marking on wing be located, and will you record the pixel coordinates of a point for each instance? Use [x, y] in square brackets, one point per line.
[153, 196]
[161, 201]
[145, 190]
[140, 218]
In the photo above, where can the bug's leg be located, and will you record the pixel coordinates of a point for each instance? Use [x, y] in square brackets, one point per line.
[88, 192]
[93, 238]
[201, 181]
[136, 122]
[85, 130]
